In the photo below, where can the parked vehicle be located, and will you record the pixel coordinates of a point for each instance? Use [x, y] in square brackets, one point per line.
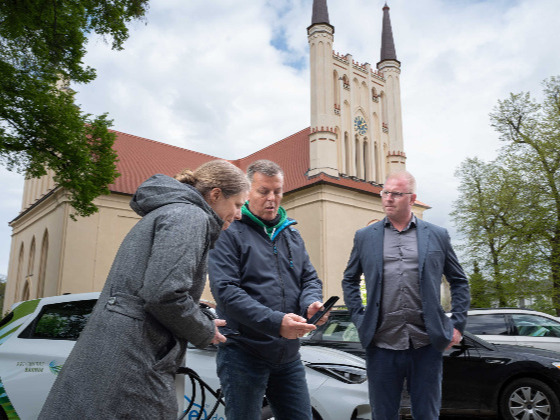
[37, 336]
[523, 327]
[479, 378]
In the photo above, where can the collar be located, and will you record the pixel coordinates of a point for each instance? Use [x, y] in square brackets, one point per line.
[412, 223]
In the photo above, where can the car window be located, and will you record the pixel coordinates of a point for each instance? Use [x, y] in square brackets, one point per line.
[487, 324]
[60, 321]
[535, 326]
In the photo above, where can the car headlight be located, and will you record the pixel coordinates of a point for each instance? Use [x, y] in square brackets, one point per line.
[556, 364]
[344, 373]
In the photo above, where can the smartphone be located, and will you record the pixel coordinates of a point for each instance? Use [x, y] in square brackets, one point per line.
[326, 307]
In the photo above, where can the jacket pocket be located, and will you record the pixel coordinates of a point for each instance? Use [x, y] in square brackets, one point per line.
[169, 357]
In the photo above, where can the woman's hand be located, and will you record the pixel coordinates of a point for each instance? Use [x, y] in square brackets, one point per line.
[218, 337]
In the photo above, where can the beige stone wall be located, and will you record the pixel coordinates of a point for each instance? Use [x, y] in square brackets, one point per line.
[43, 226]
[92, 243]
[69, 256]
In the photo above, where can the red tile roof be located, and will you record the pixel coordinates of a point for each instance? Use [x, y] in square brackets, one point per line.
[140, 158]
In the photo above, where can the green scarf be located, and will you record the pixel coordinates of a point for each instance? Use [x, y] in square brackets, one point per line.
[268, 229]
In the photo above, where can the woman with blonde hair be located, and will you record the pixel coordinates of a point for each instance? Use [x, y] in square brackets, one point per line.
[125, 361]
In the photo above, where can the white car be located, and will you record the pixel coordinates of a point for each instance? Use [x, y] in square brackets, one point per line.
[522, 327]
[37, 336]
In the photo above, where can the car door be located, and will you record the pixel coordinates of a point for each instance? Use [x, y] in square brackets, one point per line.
[461, 369]
[536, 330]
[33, 356]
[491, 327]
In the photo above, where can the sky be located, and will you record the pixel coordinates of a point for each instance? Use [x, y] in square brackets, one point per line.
[229, 77]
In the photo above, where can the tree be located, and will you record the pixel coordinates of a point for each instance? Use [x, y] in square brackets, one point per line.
[531, 131]
[42, 45]
[489, 214]
[481, 297]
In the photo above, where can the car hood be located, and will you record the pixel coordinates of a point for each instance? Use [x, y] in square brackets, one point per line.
[318, 354]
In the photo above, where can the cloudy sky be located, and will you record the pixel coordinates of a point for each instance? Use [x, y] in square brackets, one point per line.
[228, 77]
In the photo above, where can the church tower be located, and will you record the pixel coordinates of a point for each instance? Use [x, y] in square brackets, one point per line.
[322, 139]
[356, 122]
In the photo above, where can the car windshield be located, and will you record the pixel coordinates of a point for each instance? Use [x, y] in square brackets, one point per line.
[339, 327]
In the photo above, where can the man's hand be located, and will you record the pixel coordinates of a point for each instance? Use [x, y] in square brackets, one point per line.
[218, 337]
[314, 308]
[457, 336]
[295, 326]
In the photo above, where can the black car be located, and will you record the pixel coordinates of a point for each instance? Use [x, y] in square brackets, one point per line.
[479, 378]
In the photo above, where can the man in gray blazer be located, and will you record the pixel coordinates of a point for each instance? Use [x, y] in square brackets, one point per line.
[403, 327]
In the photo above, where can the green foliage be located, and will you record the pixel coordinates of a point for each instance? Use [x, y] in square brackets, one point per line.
[509, 209]
[481, 292]
[42, 45]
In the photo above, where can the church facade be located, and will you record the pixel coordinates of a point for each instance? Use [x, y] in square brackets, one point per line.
[334, 172]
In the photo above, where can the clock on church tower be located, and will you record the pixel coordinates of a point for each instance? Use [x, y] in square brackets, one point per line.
[360, 125]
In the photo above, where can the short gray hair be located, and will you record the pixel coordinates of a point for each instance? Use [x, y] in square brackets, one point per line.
[404, 175]
[265, 167]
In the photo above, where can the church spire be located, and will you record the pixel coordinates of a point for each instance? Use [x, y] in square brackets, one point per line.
[387, 43]
[320, 12]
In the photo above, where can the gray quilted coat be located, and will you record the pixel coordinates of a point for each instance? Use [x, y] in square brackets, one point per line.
[123, 365]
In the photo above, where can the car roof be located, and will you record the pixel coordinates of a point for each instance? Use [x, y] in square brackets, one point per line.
[477, 311]
[63, 298]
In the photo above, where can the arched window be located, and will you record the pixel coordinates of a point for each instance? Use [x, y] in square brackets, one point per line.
[367, 167]
[26, 291]
[363, 94]
[31, 261]
[376, 163]
[336, 90]
[358, 158]
[347, 154]
[383, 99]
[43, 265]
[345, 82]
[30, 269]
[19, 276]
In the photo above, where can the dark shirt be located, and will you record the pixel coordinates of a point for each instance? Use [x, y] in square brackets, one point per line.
[402, 324]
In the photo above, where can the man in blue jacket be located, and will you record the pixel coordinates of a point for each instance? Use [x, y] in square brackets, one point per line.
[265, 287]
[403, 328]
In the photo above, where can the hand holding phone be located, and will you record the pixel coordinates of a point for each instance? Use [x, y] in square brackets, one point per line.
[320, 313]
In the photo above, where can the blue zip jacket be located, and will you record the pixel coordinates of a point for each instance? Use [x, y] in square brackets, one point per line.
[256, 280]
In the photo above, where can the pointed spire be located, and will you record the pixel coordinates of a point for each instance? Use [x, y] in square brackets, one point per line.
[320, 12]
[387, 44]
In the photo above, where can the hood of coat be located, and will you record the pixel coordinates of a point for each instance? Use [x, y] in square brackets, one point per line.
[161, 190]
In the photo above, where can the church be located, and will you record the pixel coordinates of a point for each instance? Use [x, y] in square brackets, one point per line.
[334, 170]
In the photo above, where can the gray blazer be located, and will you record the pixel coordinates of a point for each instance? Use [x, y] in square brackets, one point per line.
[435, 258]
[123, 365]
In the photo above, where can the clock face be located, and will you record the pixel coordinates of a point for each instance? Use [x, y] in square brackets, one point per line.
[360, 125]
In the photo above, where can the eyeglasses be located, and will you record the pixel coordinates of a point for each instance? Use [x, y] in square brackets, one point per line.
[395, 194]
